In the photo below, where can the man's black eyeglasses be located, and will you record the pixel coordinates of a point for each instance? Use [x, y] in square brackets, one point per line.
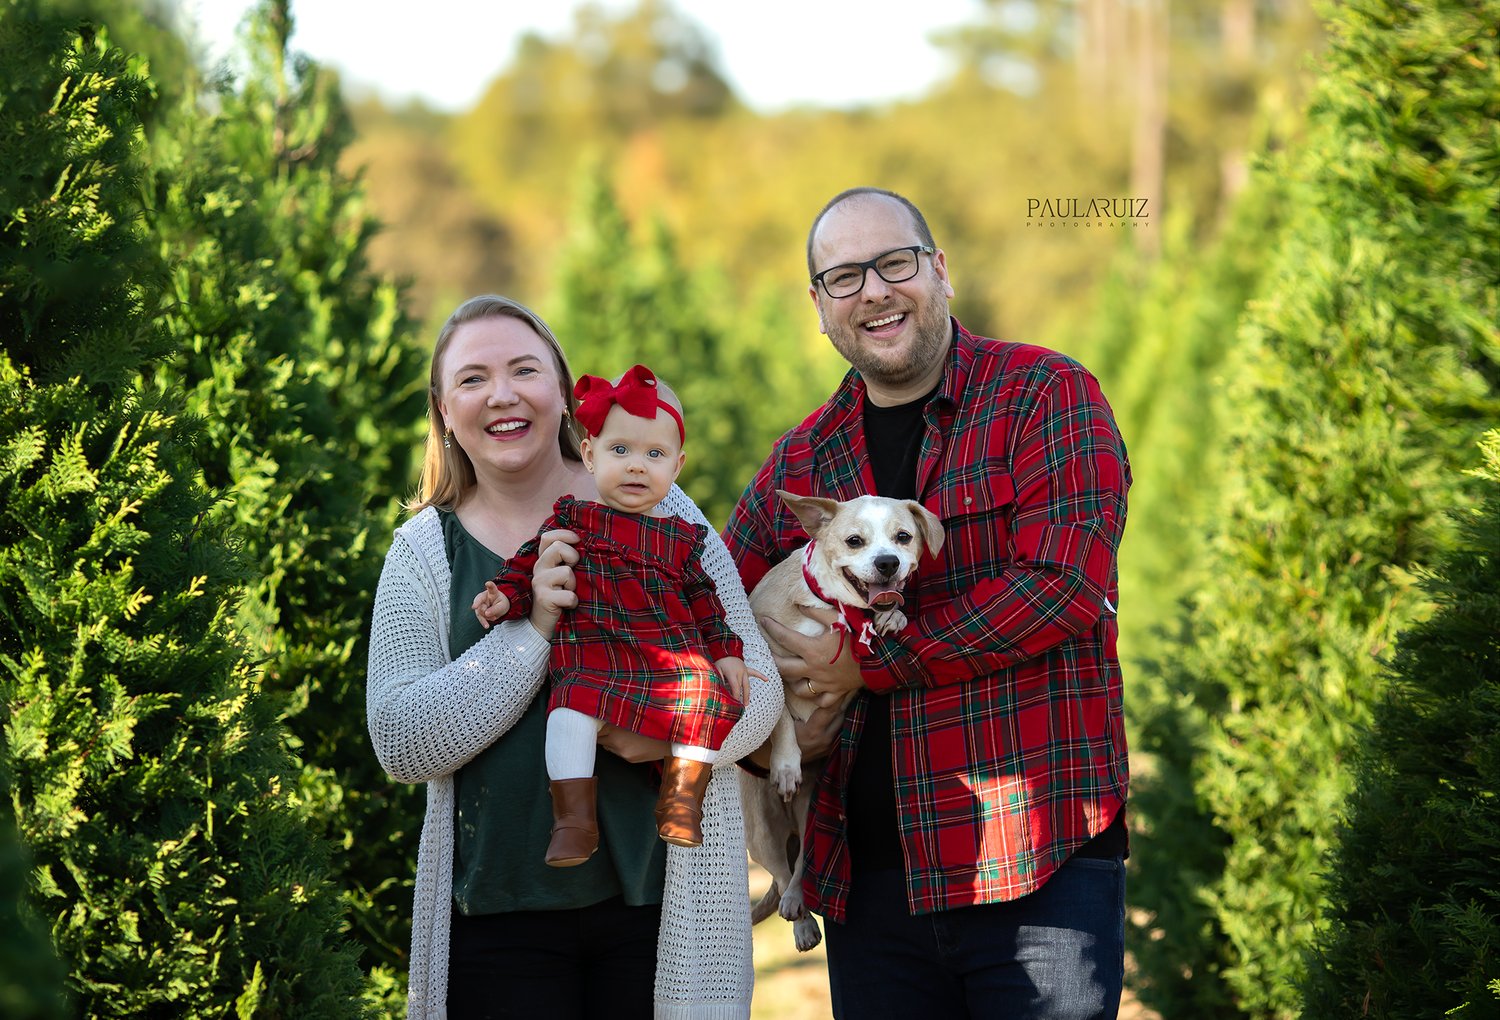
[895, 266]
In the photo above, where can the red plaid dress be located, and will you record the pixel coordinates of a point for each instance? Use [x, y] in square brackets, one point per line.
[638, 649]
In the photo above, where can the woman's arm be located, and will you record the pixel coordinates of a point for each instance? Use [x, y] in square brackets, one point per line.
[765, 702]
[427, 715]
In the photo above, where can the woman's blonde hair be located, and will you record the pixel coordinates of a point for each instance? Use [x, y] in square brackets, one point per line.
[447, 472]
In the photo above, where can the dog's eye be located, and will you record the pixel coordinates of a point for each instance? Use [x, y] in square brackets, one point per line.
[903, 538]
[854, 541]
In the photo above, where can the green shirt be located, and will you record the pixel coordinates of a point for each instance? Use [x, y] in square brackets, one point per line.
[504, 817]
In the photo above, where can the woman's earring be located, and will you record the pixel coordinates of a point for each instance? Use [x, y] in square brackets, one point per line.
[447, 439]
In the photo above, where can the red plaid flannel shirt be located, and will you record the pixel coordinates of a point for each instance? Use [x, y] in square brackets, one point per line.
[1008, 738]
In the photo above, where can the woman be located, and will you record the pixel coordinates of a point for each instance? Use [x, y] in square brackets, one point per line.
[494, 931]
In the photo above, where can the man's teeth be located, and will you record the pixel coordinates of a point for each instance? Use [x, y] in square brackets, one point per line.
[506, 426]
[877, 323]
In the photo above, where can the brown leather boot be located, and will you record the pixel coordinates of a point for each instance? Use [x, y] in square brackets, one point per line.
[575, 829]
[679, 809]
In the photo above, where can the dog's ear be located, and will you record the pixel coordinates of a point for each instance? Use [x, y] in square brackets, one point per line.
[928, 525]
[812, 511]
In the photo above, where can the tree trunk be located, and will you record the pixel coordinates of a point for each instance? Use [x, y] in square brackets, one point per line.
[1148, 144]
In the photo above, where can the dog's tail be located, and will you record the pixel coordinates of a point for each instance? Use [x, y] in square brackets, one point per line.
[767, 906]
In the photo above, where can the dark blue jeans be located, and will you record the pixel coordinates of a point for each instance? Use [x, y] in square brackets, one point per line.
[1056, 954]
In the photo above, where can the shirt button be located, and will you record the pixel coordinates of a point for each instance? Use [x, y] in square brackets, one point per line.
[968, 501]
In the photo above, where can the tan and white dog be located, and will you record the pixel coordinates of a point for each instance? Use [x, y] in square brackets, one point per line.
[862, 552]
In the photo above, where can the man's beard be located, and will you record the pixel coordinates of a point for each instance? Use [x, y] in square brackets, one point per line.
[929, 343]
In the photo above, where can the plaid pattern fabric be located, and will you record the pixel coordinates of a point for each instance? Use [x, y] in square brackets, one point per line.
[638, 649]
[1008, 739]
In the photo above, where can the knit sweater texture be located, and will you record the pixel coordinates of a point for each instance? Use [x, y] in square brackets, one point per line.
[429, 715]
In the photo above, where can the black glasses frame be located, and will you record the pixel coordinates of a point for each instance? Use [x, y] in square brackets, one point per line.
[917, 251]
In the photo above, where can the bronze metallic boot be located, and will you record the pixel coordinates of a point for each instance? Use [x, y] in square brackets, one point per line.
[679, 809]
[575, 829]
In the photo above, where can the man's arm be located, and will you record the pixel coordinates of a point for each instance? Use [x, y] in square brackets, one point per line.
[1070, 475]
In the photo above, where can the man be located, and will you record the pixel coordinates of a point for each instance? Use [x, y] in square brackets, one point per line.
[967, 837]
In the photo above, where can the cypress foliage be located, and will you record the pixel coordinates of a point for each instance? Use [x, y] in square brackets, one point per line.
[301, 364]
[1174, 336]
[1363, 375]
[1414, 884]
[30, 978]
[150, 783]
[732, 359]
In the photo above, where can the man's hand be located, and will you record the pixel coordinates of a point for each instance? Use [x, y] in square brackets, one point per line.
[552, 580]
[832, 671]
[736, 677]
[632, 746]
[819, 735]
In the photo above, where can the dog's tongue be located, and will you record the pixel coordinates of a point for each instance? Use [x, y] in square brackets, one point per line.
[887, 599]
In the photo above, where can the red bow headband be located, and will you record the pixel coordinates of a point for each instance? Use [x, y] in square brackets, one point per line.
[636, 392]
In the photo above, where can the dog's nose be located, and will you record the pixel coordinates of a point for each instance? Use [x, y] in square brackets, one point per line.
[886, 564]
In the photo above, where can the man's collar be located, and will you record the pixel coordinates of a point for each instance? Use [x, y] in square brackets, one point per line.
[849, 398]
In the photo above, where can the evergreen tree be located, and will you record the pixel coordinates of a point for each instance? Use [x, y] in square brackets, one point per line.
[1360, 379]
[732, 359]
[311, 388]
[30, 979]
[1165, 333]
[1413, 886]
[150, 781]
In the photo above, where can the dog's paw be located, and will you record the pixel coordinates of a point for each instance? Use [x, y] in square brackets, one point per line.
[806, 934]
[786, 778]
[792, 907]
[890, 621]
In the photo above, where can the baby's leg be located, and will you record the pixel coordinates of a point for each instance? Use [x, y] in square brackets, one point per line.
[692, 753]
[571, 740]
[679, 808]
[570, 766]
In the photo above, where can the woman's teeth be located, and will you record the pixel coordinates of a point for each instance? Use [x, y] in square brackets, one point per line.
[506, 426]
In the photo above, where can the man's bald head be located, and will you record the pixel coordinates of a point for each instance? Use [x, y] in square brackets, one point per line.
[924, 233]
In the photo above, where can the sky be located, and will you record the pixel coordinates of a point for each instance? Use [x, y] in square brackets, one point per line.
[775, 53]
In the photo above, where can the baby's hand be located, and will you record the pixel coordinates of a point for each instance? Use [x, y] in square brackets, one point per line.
[490, 605]
[736, 677]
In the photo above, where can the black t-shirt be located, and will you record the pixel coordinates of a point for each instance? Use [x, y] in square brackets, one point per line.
[893, 442]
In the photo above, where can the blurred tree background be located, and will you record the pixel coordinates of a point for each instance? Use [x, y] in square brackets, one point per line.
[1299, 338]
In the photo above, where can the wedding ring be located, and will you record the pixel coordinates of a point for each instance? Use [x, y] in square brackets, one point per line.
[810, 688]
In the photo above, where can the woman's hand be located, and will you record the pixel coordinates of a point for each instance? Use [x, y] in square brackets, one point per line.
[552, 580]
[632, 746]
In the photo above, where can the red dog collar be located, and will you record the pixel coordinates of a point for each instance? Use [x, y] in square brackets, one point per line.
[844, 625]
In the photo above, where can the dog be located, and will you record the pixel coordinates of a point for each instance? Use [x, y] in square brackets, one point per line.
[861, 555]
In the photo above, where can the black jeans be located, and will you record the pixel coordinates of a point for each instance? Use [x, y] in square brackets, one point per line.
[597, 961]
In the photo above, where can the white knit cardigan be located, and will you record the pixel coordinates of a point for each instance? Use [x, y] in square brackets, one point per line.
[429, 715]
